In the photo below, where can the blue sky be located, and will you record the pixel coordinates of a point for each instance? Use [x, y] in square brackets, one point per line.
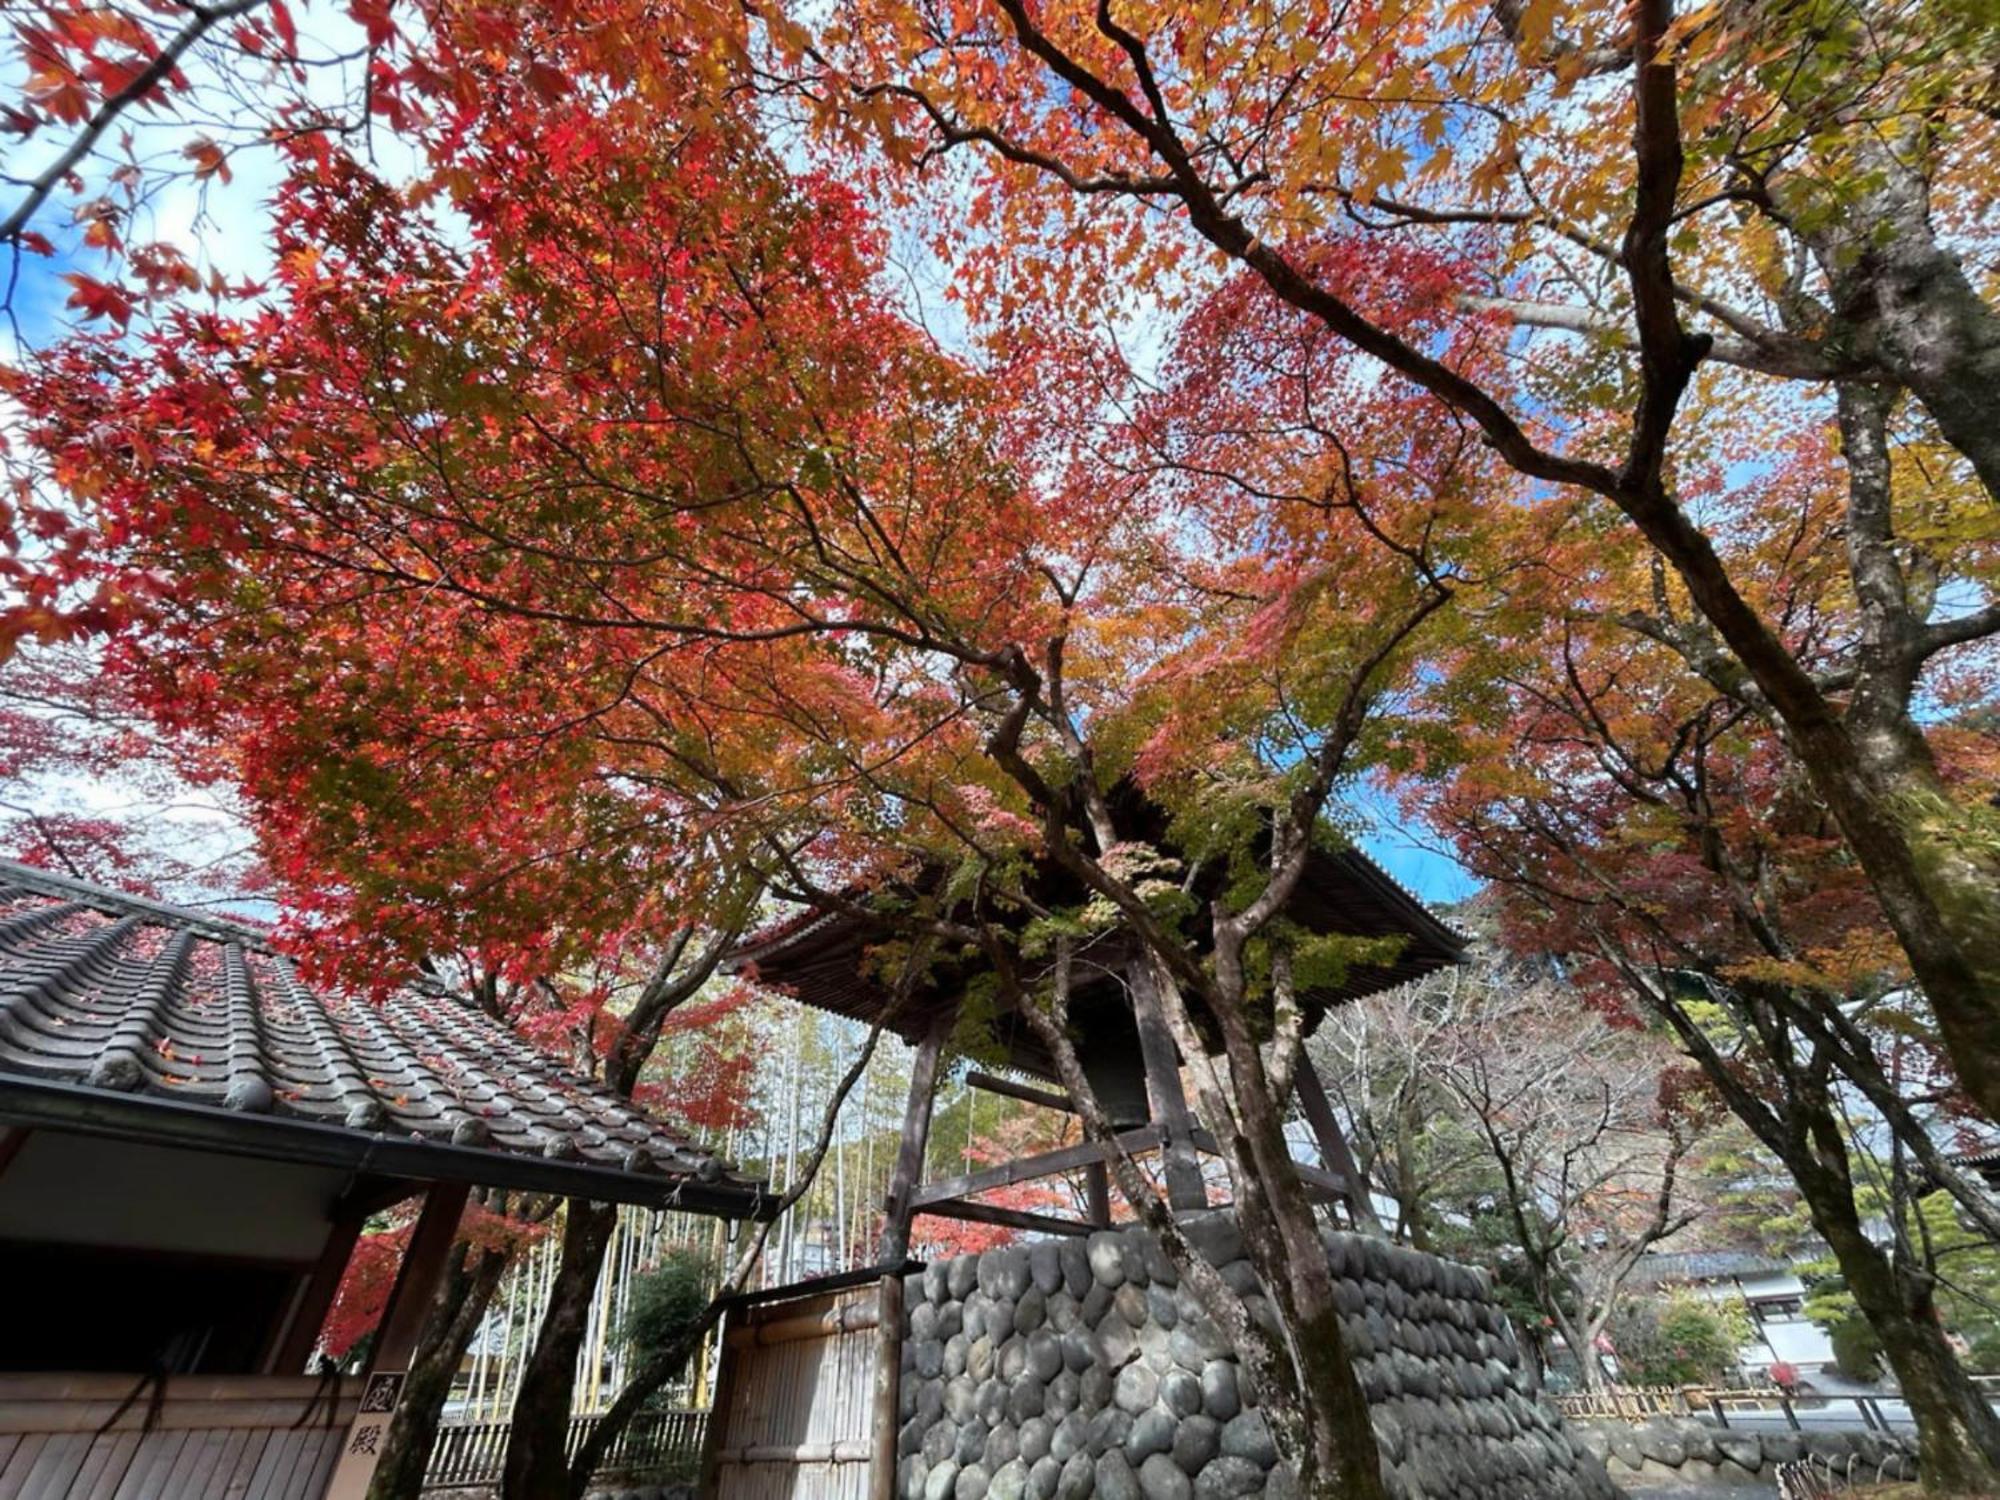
[1409, 851]
[1437, 878]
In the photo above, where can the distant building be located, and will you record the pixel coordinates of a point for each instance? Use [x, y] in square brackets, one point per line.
[1768, 1288]
[1983, 1163]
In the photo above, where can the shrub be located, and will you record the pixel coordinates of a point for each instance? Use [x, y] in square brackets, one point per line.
[1857, 1353]
[1684, 1340]
[667, 1303]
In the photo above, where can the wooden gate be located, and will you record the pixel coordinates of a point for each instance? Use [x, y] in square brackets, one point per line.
[794, 1401]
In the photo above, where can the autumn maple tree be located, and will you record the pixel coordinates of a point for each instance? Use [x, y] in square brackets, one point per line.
[633, 551]
[579, 530]
[1761, 208]
[1654, 831]
[614, 426]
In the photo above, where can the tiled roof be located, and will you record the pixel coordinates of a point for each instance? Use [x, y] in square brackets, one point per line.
[819, 957]
[124, 1016]
[1708, 1265]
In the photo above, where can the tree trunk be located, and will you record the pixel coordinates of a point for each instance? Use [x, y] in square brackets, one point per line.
[1963, 884]
[1542, 1286]
[537, 1467]
[1336, 1439]
[1959, 872]
[1939, 942]
[469, 1284]
[1958, 1437]
[1307, 1389]
[1409, 1189]
[1909, 305]
[1582, 1346]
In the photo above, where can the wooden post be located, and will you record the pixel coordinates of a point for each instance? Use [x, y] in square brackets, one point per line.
[1185, 1188]
[905, 1175]
[1333, 1147]
[297, 1337]
[895, 1249]
[1097, 1193]
[417, 1278]
[396, 1338]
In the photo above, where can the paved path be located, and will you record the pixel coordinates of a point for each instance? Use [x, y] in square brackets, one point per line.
[1698, 1491]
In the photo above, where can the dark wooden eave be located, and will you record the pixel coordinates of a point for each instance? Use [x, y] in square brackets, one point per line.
[820, 958]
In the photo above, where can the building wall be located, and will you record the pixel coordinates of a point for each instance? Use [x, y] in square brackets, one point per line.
[1078, 1370]
[1792, 1338]
[82, 1190]
[146, 1256]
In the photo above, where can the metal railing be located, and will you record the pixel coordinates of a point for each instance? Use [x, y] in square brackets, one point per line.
[1636, 1403]
[473, 1453]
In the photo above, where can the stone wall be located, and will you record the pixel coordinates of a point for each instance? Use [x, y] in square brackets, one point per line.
[1690, 1451]
[1079, 1370]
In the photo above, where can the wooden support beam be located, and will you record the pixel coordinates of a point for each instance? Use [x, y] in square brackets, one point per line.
[416, 1285]
[1097, 1192]
[1013, 1218]
[897, 1208]
[418, 1277]
[1327, 1184]
[1008, 1089]
[819, 1286]
[298, 1336]
[850, 1451]
[1334, 1150]
[1185, 1189]
[1028, 1168]
[904, 1177]
[842, 1317]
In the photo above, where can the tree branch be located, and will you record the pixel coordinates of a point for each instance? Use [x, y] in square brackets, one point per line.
[203, 19]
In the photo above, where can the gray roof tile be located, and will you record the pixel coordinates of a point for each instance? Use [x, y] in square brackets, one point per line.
[113, 993]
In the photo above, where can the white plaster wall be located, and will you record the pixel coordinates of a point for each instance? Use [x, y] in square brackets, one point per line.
[1797, 1341]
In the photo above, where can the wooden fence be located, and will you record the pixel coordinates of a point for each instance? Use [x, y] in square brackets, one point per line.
[188, 1437]
[795, 1398]
[1629, 1403]
[473, 1453]
[1635, 1403]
